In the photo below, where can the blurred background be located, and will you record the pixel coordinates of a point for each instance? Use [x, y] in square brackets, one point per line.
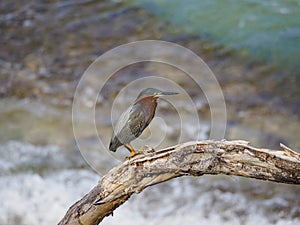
[252, 47]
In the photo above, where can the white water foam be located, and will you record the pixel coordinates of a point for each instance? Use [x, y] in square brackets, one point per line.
[33, 199]
[30, 197]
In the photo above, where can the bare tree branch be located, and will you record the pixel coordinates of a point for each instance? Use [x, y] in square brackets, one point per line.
[193, 158]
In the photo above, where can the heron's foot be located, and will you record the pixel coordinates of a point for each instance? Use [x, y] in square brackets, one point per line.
[131, 150]
[146, 149]
[132, 154]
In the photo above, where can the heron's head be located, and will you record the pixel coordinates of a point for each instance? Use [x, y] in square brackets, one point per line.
[156, 93]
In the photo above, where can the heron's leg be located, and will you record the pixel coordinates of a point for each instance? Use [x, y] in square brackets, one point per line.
[131, 150]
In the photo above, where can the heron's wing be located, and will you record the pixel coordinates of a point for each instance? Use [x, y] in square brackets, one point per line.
[130, 125]
[136, 120]
[123, 120]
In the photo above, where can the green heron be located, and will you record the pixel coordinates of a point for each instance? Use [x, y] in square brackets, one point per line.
[135, 119]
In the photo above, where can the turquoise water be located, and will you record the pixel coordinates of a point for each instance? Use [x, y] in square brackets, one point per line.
[266, 30]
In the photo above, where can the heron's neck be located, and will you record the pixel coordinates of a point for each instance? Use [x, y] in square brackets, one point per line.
[149, 105]
[149, 100]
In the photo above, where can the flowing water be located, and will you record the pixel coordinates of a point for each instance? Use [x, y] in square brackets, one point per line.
[267, 30]
[45, 48]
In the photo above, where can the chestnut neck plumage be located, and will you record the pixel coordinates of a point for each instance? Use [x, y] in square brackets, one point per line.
[148, 104]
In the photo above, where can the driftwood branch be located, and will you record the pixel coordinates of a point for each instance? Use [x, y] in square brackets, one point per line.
[194, 159]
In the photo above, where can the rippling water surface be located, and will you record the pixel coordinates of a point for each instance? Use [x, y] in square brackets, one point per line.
[268, 30]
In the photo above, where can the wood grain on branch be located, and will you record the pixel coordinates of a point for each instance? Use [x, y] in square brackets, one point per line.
[194, 159]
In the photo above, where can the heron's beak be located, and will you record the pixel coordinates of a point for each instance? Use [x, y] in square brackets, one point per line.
[166, 93]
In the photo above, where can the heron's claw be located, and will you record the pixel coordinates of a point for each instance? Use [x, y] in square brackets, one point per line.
[131, 150]
[133, 153]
